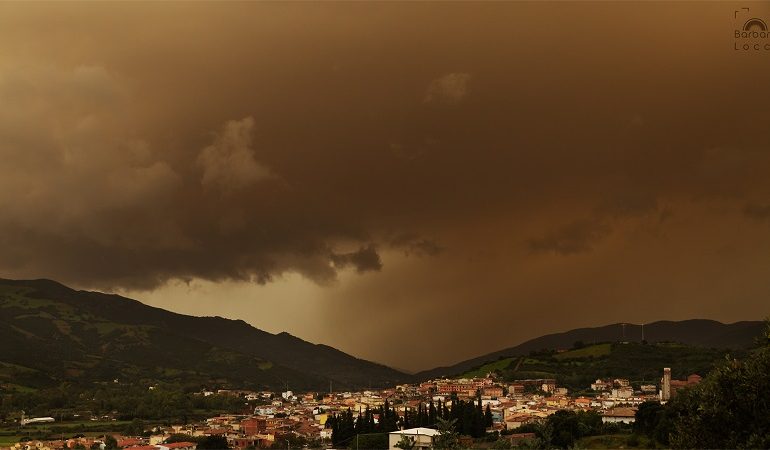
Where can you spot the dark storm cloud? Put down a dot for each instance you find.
(142, 143)
(576, 237)
(757, 212)
(412, 243)
(364, 259)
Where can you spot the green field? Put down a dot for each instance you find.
(592, 351)
(9, 440)
(579, 367)
(11, 434)
(487, 368)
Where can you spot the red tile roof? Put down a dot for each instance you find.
(180, 445)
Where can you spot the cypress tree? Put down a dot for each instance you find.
(431, 413)
(420, 416)
(469, 427)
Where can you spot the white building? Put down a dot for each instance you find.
(619, 415)
(34, 420)
(624, 392)
(423, 437)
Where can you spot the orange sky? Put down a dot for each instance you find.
(413, 183)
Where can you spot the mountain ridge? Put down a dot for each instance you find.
(77, 313)
(697, 332)
(105, 335)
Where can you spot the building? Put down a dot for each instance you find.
(669, 387)
(253, 425)
(679, 384)
(623, 392)
(621, 382)
(548, 386)
(448, 388)
(516, 420)
(583, 402)
(178, 446)
(34, 420)
(619, 415)
(423, 437)
(493, 391)
(665, 386)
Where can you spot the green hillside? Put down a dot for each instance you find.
(50, 334)
(693, 332)
(579, 367)
(494, 366)
(592, 351)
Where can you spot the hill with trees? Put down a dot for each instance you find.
(641, 363)
(692, 333)
(51, 334)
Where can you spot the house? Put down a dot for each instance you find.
(517, 420)
(674, 385)
(619, 415)
(423, 437)
(493, 392)
(583, 402)
(548, 386)
(622, 382)
(178, 446)
(623, 392)
(156, 439)
(130, 442)
(253, 425)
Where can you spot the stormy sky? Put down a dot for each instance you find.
(413, 183)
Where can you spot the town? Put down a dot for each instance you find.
(310, 419)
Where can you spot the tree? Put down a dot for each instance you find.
(431, 413)
(479, 429)
(110, 443)
(178, 437)
(135, 428)
(447, 436)
(502, 444)
(648, 417)
(406, 443)
(488, 417)
(729, 408)
(213, 443)
(563, 428)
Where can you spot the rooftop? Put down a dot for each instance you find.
(416, 431)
